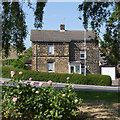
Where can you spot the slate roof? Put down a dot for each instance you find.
(59, 36)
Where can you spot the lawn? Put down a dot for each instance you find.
(99, 95)
(99, 105)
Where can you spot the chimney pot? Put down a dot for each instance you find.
(62, 27)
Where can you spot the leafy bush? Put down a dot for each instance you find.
(8, 62)
(18, 63)
(90, 79)
(117, 74)
(25, 101)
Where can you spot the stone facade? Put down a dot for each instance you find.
(92, 55)
(64, 52)
(60, 57)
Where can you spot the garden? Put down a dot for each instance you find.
(26, 101)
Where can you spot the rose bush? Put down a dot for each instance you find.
(27, 102)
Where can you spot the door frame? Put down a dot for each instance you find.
(74, 64)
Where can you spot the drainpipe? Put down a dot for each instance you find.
(85, 53)
(36, 54)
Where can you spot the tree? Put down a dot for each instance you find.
(18, 63)
(28, 53)
(97, 14)
(14, 28)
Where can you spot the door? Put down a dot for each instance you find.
(72, 69)
(108, 71)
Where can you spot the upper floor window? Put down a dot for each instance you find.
(82, 54)
(50, 49)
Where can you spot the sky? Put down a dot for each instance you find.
(55, 13)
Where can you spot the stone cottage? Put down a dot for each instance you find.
(63, 51)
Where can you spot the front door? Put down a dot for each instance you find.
(72, 69)
(75, 68)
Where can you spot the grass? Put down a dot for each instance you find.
(99, 95)
(94, 102)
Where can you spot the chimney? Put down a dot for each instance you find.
(62, 27)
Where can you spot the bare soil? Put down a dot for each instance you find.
(99, 110)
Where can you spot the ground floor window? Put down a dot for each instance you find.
(76, 67)
(50, 67)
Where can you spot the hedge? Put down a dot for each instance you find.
(90, 79)
(8, 62)
(117, 74)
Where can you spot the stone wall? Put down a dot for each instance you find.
(61, 64)
(63, 53)
(60, 57)
(92, 55)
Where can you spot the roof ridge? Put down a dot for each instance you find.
(65, 30)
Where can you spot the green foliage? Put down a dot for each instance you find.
(14, 29)
(110, 47)
(39, 14)
(99, 14)
(18, 63)
(117, 74)
(28, 53)
(43, 103)
(23, 58)
(93, 96)
(8, 62)
(90, 79)
(27, 56)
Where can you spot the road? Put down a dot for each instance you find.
(114, 88)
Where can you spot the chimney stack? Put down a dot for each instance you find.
(62, 27)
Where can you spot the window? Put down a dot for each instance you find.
(50, 49)
(50, 66)
(77, 69)
(74, 68)
(82, 54)
(82, 68)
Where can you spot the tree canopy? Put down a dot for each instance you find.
(98, 14)
(14, 28)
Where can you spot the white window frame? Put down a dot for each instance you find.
(48, 46)
(74, 65)
(53, 67)
(83, 52)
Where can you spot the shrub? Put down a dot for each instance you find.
(8, 62)
(18, 63)
(90, 79)
(25, 101)
(117, 74)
